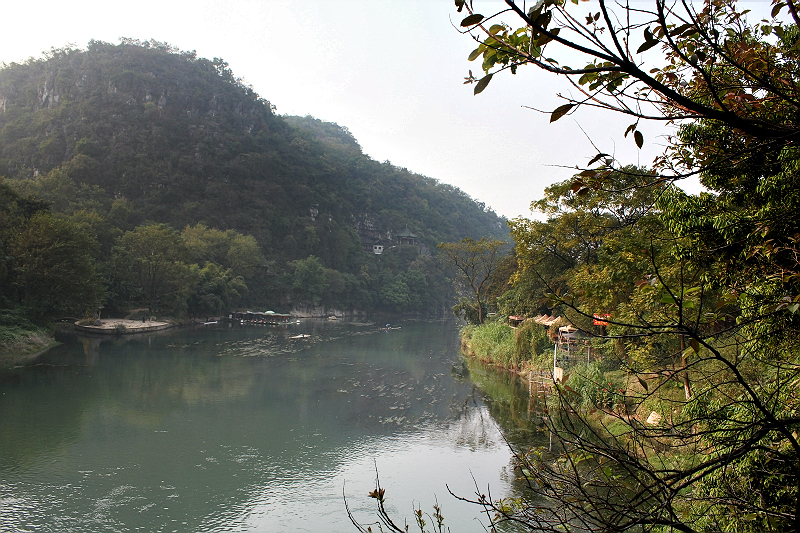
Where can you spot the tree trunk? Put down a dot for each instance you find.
(687, 389)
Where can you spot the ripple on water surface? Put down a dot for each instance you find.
(244, 431)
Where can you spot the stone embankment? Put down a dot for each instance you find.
(118, 326)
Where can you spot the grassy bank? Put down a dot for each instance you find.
(496, 343)
(602, 392)
(21, 340)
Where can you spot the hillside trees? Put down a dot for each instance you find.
(474, 263)
(200, 270)
(697, 286)
(120, 136)
(47, 262)
(53, 265)
(152, 263)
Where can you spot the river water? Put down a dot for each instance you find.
(247, 429)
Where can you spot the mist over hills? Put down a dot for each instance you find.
(140, 133)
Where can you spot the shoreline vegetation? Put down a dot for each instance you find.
(679, 412)
(519, 349)
(21, 340)
(603, 391)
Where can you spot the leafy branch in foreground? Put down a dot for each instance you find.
(702, 291)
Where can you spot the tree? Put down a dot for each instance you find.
(217, 290)
(152, 261)
(52, 268)
(229, 248)
(717, 66)
(720, 295)
(474, 262)
(728, 85)
(308, 279)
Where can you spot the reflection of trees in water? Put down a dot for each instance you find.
(476, 429)
(40, 413)
(518, 413)
(519, 410)
(91, 348)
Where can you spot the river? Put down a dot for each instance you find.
(246, 429)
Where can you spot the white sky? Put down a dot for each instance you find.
(390, 71)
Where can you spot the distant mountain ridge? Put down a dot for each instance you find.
(183, 141)
(140, 132)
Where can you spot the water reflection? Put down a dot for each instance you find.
(249, 430)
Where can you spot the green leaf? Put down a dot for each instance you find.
(560, 111)
(475, 53)
(586, 78)
(667, 298)
(481, 85)
(496, 28)
(471, 20)
(695, 345)
(460, 5)
(647, 46)
(643, 383)
(639, 138)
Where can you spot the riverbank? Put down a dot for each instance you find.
(606, 395)
(20, 345)
(521, 349)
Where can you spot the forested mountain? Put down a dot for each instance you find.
(118, 138)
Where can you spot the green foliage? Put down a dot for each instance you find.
(21, 338)
(231, 249)
(466, 310)
(216, 291)
(474, 263)
(396, 294)
(139, 133)
(14, 325)
(53, 268)
(308, 282)
(702, 292)
(493, 342)
(151, 264)
(596, 389)
(530, 340)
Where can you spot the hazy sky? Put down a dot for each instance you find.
(390, 71)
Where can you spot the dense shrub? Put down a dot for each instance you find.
(595, 389)
(14, 324)
(531, 340)
(493, 342)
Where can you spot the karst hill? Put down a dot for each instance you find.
(140, 132)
